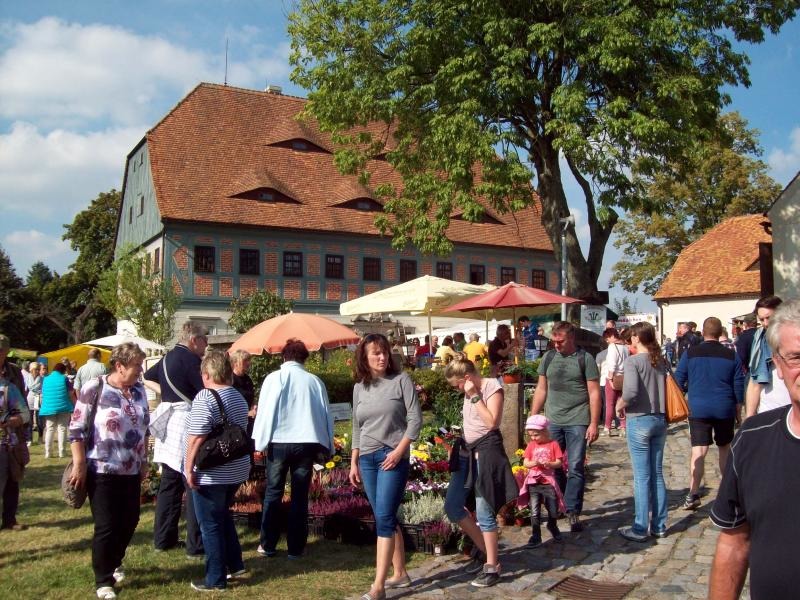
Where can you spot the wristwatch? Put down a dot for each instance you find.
(476, 398)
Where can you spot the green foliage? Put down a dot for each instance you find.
(525, 369)
(724, 179)
(433, 383)
(92, 234)
(472, 100)
(336, 372)
(249, 312)
(624, 307)
(13, 298)
(130, 291)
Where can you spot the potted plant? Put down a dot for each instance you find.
(516, 372)
(436, 535)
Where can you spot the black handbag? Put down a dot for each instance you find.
(225, 442)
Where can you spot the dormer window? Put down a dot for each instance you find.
(299, 145)
(362, 204)
(265, 194)
(487, 218)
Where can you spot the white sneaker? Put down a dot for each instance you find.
(106, 593)
(119, 574)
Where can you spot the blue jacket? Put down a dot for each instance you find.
(55, 395)
(714, 378)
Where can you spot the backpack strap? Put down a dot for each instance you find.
(548, 358)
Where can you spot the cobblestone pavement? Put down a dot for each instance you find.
(673, 567)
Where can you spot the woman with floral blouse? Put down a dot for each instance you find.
(109, 456)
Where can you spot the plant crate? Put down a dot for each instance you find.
(248, 519)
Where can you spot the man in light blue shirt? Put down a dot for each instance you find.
(294, 428)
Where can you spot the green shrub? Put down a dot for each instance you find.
(339, 386)
(433, 383)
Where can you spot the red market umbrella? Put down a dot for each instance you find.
(313, 330)
(510, 297)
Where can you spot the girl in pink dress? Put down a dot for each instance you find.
(542, 456)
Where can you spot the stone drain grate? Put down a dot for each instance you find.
(587, 589)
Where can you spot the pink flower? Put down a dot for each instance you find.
(112, 425)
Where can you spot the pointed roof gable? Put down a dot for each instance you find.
(220, 142)
(723, 262)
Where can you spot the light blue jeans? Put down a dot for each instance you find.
(457, 497)
(647, 435)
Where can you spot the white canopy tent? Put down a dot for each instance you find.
(119, 338)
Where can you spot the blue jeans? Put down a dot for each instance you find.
(647, 435)
(297, 460)
(572, 440)
(457, 497)
(384, 489)
(212, 506)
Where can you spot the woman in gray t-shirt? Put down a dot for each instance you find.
(386, 419)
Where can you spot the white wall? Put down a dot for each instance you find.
(678, 311)
(785, 217)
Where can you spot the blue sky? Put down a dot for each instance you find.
(83, 81)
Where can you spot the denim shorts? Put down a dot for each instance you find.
(457, 497)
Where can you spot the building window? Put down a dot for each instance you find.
(204, 259)
(372, 269)
(141, 204)
(130, 215)
(157, 260)
(408, 270)
(444, 270)
(539, 279)
(292, 264)
(249, 261)
(477, 274)
(507, 275)
(334, 266)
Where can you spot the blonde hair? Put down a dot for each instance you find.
(459, 367)
(217, 365)
(125, 353)
(239, 356)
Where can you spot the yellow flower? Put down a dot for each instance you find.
(516, 469)
(330, 464)
(337, 459)
(520, 452)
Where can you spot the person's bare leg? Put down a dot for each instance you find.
(399, 558)
(383, 558)
(697, 468)
(490, 539)
(471, 528)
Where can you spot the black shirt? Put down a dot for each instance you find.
(184, 373)
(244, 385)
(760, 487)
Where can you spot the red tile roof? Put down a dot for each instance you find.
(221, 141)
(723, 262)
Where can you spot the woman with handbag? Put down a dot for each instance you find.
(612, 373)
(213, 488)
(108, 437)
(386, 420)
(643, 404)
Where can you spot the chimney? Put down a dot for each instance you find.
(273, 89)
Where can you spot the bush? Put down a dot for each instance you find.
(433, 383)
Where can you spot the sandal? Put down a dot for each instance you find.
(370, 595)
(403, 582)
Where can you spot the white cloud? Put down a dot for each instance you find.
(784, 164)
(27, 247)
(56, 174)
(71, 75)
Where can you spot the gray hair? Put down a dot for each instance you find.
(192, 329)
(473, 337)
(125, 353)
(788, 313)
(239, 356)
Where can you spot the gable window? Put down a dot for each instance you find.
(249, 261)
(141, 204)
(477, 274)
(204, 259)
(292, 264)
(408, 270)
(334, 266)
(539, 279)
(372, 269)
(444, 270)
(507, 275)
(130, 215)
(157, 260)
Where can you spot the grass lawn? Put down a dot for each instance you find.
(52, 558)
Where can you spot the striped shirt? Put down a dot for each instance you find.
(202, 418)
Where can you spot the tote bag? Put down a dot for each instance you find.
(677, 408)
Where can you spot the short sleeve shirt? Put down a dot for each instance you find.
(474, 427)
(567, 400)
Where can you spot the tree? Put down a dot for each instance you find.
(724, 179)
(14, 321)
(624, 306)
(131, 292)
(260, 306)
(479, 97)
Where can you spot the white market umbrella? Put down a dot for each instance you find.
(120, 338)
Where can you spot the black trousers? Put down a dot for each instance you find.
(10, 502)
(115, 510)
(541, 493)
(169, 503)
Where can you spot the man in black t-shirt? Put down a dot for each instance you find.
(756, 503)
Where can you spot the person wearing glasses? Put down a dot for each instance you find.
(765, 390)
(386, 419)
(755, 507)
(714, 378)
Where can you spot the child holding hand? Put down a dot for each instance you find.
(542, 456)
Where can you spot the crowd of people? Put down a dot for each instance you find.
(105, 416)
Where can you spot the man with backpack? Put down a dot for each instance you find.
(569, 391)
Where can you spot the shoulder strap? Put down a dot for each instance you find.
(180, 394)
(546, 360)
(218, 398)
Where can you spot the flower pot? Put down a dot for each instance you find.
(511, 378)
(438, 550)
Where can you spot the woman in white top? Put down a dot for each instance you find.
(615, 356)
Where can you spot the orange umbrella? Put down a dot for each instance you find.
(313, 330)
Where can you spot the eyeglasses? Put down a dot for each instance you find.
(792, 361)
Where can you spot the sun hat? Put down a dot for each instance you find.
(537, 422)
